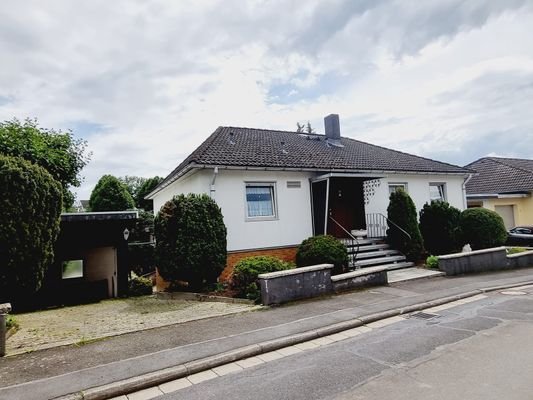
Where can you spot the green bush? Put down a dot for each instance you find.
(516, 250)
(402, 212)
(110, 194)
(30, 207)
(482, 228)
(245, 272)
(439, 225)
(432, 262)
(139, 286)
(322, 249)
(190, 241)
(11, 322)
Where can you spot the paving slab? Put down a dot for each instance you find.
(411, 274)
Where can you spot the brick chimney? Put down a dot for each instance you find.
(332, 127)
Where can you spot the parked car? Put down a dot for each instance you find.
(520, 236)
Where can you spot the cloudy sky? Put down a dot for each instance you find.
(145, 82)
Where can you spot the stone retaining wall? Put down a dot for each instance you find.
(484, 260)
(372, 276)
(299, 283)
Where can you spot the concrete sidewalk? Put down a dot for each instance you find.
(189, 346)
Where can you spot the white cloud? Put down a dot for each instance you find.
(146, 82)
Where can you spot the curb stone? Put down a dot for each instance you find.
(155, 378)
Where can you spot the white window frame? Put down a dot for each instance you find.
(80, 261)
(270, 184)
(438, 185)
(397, 185)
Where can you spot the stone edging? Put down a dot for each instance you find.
(190, 296)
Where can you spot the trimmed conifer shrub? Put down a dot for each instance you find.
(439, 225)
(402, 212)
(482, 228)
(322, 249)
(30, 207)
(190, 240)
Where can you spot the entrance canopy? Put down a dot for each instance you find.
(338, 203)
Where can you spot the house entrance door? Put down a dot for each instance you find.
(346, 205)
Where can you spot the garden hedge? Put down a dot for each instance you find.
(30, 208)
(482, 228)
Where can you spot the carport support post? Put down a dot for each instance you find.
(4, 309)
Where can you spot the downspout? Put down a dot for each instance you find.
(212, 189)
(465, 203)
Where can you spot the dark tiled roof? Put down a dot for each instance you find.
(230, 146)
(500, 175)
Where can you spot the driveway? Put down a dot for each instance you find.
(86, 323)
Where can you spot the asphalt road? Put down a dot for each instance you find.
(478, 350)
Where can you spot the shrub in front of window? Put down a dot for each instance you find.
(482, 228)
(439, 225)
(245, 272)
(29, 224)
(323, 249)
(139, 286)
(402, 212)
(190, 241)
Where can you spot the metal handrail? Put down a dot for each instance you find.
(354, 239)
(396, 225)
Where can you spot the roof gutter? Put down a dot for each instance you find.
(360, 172)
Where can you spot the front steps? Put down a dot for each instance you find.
(374, 252)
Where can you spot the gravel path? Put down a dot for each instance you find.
(85, 323)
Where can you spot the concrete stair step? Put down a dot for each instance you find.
(371, 247)
(377, 261)
(362, 242)
(374, 254)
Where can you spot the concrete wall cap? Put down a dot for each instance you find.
(5, 308)
(357, 273)
(472, 253)
(295, 271)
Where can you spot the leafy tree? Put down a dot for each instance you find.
(132, 183)
(30, 207)
(439, 225)
(110, 194)
(402, 212)
(147, 186)
(482, 228)
(190, 240)
(309, 128)
(58, 152)
(300, 127)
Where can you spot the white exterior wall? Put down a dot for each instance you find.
(292, 224)
(198, 182)
(294, 216)
(418, 189)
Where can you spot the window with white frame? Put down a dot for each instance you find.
(437, 192)
(260, 200)
(394, 186)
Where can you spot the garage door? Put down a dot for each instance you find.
(507, 213)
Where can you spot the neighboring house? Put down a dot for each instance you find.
(504, 185)
(277, 188)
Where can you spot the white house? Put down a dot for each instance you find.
(277, 188)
